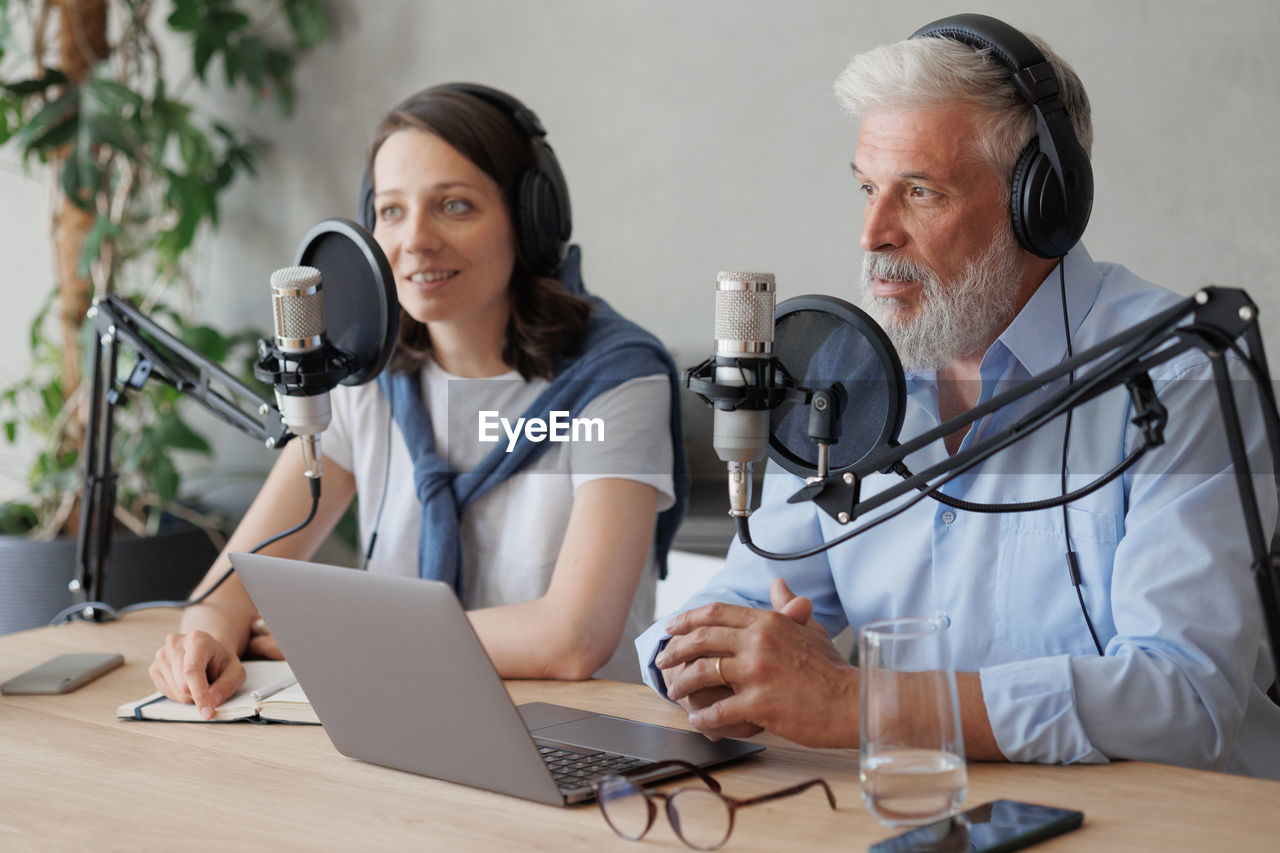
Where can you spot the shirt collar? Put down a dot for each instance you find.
(1034, 337)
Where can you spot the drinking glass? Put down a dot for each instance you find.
(912, 760)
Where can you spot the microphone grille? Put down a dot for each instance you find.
(744, 307)
(763, 280)
(297, 304)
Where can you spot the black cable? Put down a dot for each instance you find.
(1045, 503)
(744, 535)
(105, 611)
(1073, 563)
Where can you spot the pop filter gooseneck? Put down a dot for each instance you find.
(825, 342)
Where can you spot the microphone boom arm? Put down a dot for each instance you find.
(163, 356)
(1126, 364)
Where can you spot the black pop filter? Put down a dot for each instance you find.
(361, 312)
(822, 341)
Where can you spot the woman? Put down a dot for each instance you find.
(551, 545)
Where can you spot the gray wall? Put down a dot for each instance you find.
(700, 136)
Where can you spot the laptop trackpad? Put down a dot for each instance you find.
(642, 740)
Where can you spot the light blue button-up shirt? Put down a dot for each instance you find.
(1162, 552)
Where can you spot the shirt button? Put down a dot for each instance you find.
(948, 517)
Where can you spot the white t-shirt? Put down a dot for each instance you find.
(510, 537)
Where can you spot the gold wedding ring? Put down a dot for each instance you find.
(720, 672)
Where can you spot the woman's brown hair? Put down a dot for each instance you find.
(546, 323)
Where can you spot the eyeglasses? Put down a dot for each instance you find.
(701, 817)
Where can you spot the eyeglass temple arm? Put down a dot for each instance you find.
(787, 792)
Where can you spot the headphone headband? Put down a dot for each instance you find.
(526, 118)
(1009, 44)
(1051, 190)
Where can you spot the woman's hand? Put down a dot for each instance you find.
(196, 668)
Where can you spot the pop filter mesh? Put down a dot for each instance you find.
(822, 341)
(361, 311)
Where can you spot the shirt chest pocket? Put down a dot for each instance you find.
(1037, 611)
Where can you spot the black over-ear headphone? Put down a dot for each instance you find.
(540, 208)
(1051, 191)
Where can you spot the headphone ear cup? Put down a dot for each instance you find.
(536, 250)
(1036, 205)
(543, 217)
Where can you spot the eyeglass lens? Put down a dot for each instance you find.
(625, 807)
(700, 817)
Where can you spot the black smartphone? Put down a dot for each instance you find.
(61, 674)
(989, 828)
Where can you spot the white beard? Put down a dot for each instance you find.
(953, 320)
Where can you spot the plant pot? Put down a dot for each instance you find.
(34, 575)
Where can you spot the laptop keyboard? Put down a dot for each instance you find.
(573, 770)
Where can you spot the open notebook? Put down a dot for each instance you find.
(279, 699)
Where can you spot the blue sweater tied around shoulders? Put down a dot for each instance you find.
(615, 351)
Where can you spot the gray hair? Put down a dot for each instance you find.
(928, 72)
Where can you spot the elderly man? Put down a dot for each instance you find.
(1126, 626)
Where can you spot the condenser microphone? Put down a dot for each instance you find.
(297, 309)
(743, 356)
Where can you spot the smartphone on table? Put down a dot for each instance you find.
(62, 674)
(995, 827)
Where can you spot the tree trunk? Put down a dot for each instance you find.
(81, 41)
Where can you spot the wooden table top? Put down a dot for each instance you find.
(72, 776)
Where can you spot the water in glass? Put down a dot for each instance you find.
(909, 786)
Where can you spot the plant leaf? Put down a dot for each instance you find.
(166, 117)
(7, 107)
(208, 341)
(202, 52)
(105, 108)
(196, 150)
(17, 519)
(36, 86)
(79, 180)
(280, 65)
(163, 477)
(309, 22)
(173, 432)
(185, 16)
(103, 230)
(249, 58)
(51, 395)
(53, 125)
(190, 201)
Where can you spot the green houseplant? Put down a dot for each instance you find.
(137, 169)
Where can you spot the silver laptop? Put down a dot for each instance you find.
(399, 678)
